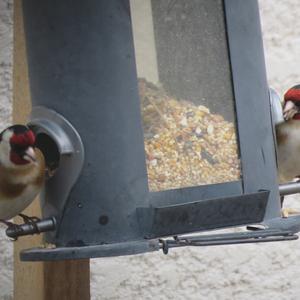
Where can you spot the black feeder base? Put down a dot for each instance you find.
(64, 253)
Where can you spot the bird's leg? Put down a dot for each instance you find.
(29, 220)
(284, 211)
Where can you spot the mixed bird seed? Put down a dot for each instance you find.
(185, 144)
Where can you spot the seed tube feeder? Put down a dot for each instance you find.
(155, 119)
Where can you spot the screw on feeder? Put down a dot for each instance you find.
(103, 220)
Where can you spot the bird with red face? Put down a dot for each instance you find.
(22, 169)
(288, 142)
(288, 137)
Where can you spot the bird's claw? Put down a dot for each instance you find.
(29, 220)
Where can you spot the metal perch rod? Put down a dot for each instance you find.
(31, 228)
(289, 188)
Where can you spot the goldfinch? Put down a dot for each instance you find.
(22, 172)
(288, 141)
(288, 137)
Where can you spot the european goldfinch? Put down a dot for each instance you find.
(288, 141)
(288, 137)
(22, 172)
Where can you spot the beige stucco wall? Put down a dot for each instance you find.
(261, 271)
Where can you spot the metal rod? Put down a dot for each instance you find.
(289, 188)
(230, 236)
(231, 242)
(31, 228)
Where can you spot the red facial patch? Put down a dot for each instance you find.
(292, 95)
(24, 139)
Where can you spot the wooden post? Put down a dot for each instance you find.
(62, 280)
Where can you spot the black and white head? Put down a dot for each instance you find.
(17, 147)
(291, 108)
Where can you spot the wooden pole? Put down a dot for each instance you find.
(63, 280)
(28, 277)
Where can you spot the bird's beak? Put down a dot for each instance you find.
(289, 110)
(29, 155)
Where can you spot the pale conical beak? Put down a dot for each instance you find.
(29, 155)
(289, 110)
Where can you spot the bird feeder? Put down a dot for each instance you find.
(154, 119)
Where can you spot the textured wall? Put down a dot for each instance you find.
(261, 271)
